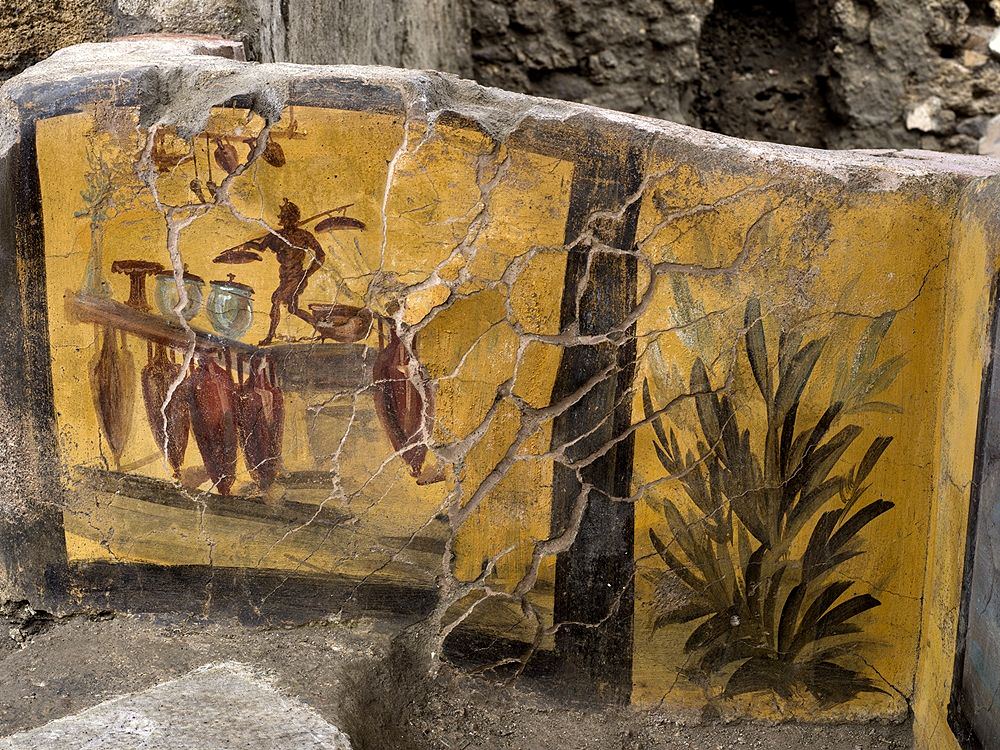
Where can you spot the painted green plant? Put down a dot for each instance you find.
(766, 520)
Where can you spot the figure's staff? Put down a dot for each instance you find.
(233, 254)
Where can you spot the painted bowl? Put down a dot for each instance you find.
(343, 323)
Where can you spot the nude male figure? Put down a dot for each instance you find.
(291, 245)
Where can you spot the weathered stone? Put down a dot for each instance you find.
(930, 116)
(973, 59)
(414, 33)
(655, 414)
(989, 141)
(837, 74)
(216, 707)
(994, 44)
(974, 127)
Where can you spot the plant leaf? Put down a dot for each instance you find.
(882, 407)
(676, 566)
(758, 674)
(687, 613)
(649, 411)
(829, 624)
(710, 630)
(831, 683)
(788, 344)
(871, 340)
(808, 505)
(858, 521)
(871, 457)
(789, 614)
(881, 377)
(705, 404)
(752, 580)
(770, 614)
(820, 462)
(756, 346)
(666, 460)
(823, 601)
(797, 375)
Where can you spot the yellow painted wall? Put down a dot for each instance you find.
(439, 228)
(823, 262)
(824, 257)
(972, 264)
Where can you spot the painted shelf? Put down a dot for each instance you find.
(250, 508)
(301, 365)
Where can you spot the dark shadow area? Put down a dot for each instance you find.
(761, 72)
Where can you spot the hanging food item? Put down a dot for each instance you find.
(401, 407)
(158, 376)
(274, 154)
(226, 156)
(333, 223)
(198, 189)
(260, 418)
(213, 421)
(165, 158)
(238, 255)
(112, 383)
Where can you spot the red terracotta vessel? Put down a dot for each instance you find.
(260, 420)
(112, 382)
(400, 406)
(213, 421)
(159, 374)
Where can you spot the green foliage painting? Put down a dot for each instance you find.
(764, 521)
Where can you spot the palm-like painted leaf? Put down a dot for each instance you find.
(880, 378)
(867, 464)
(647, 406)
(757, 348)
(705, 403)
(758, 674)
(794, 380)
(806, 442)
(713, 628)
(858, 521)
(831, 683)
(830, 623)
(675, 566)
(752, 579)
(764, 607)
(808, 625)
(817, 464)
(687, 613)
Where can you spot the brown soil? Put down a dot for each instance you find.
(363, 680)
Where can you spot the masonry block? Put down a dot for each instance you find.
(652, 415)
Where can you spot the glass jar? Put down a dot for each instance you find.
(167, 295)
(230, 307)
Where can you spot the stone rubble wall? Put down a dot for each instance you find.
(822, 73)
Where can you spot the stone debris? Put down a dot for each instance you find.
(930, 116)
(989, 143)
(994, 44)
